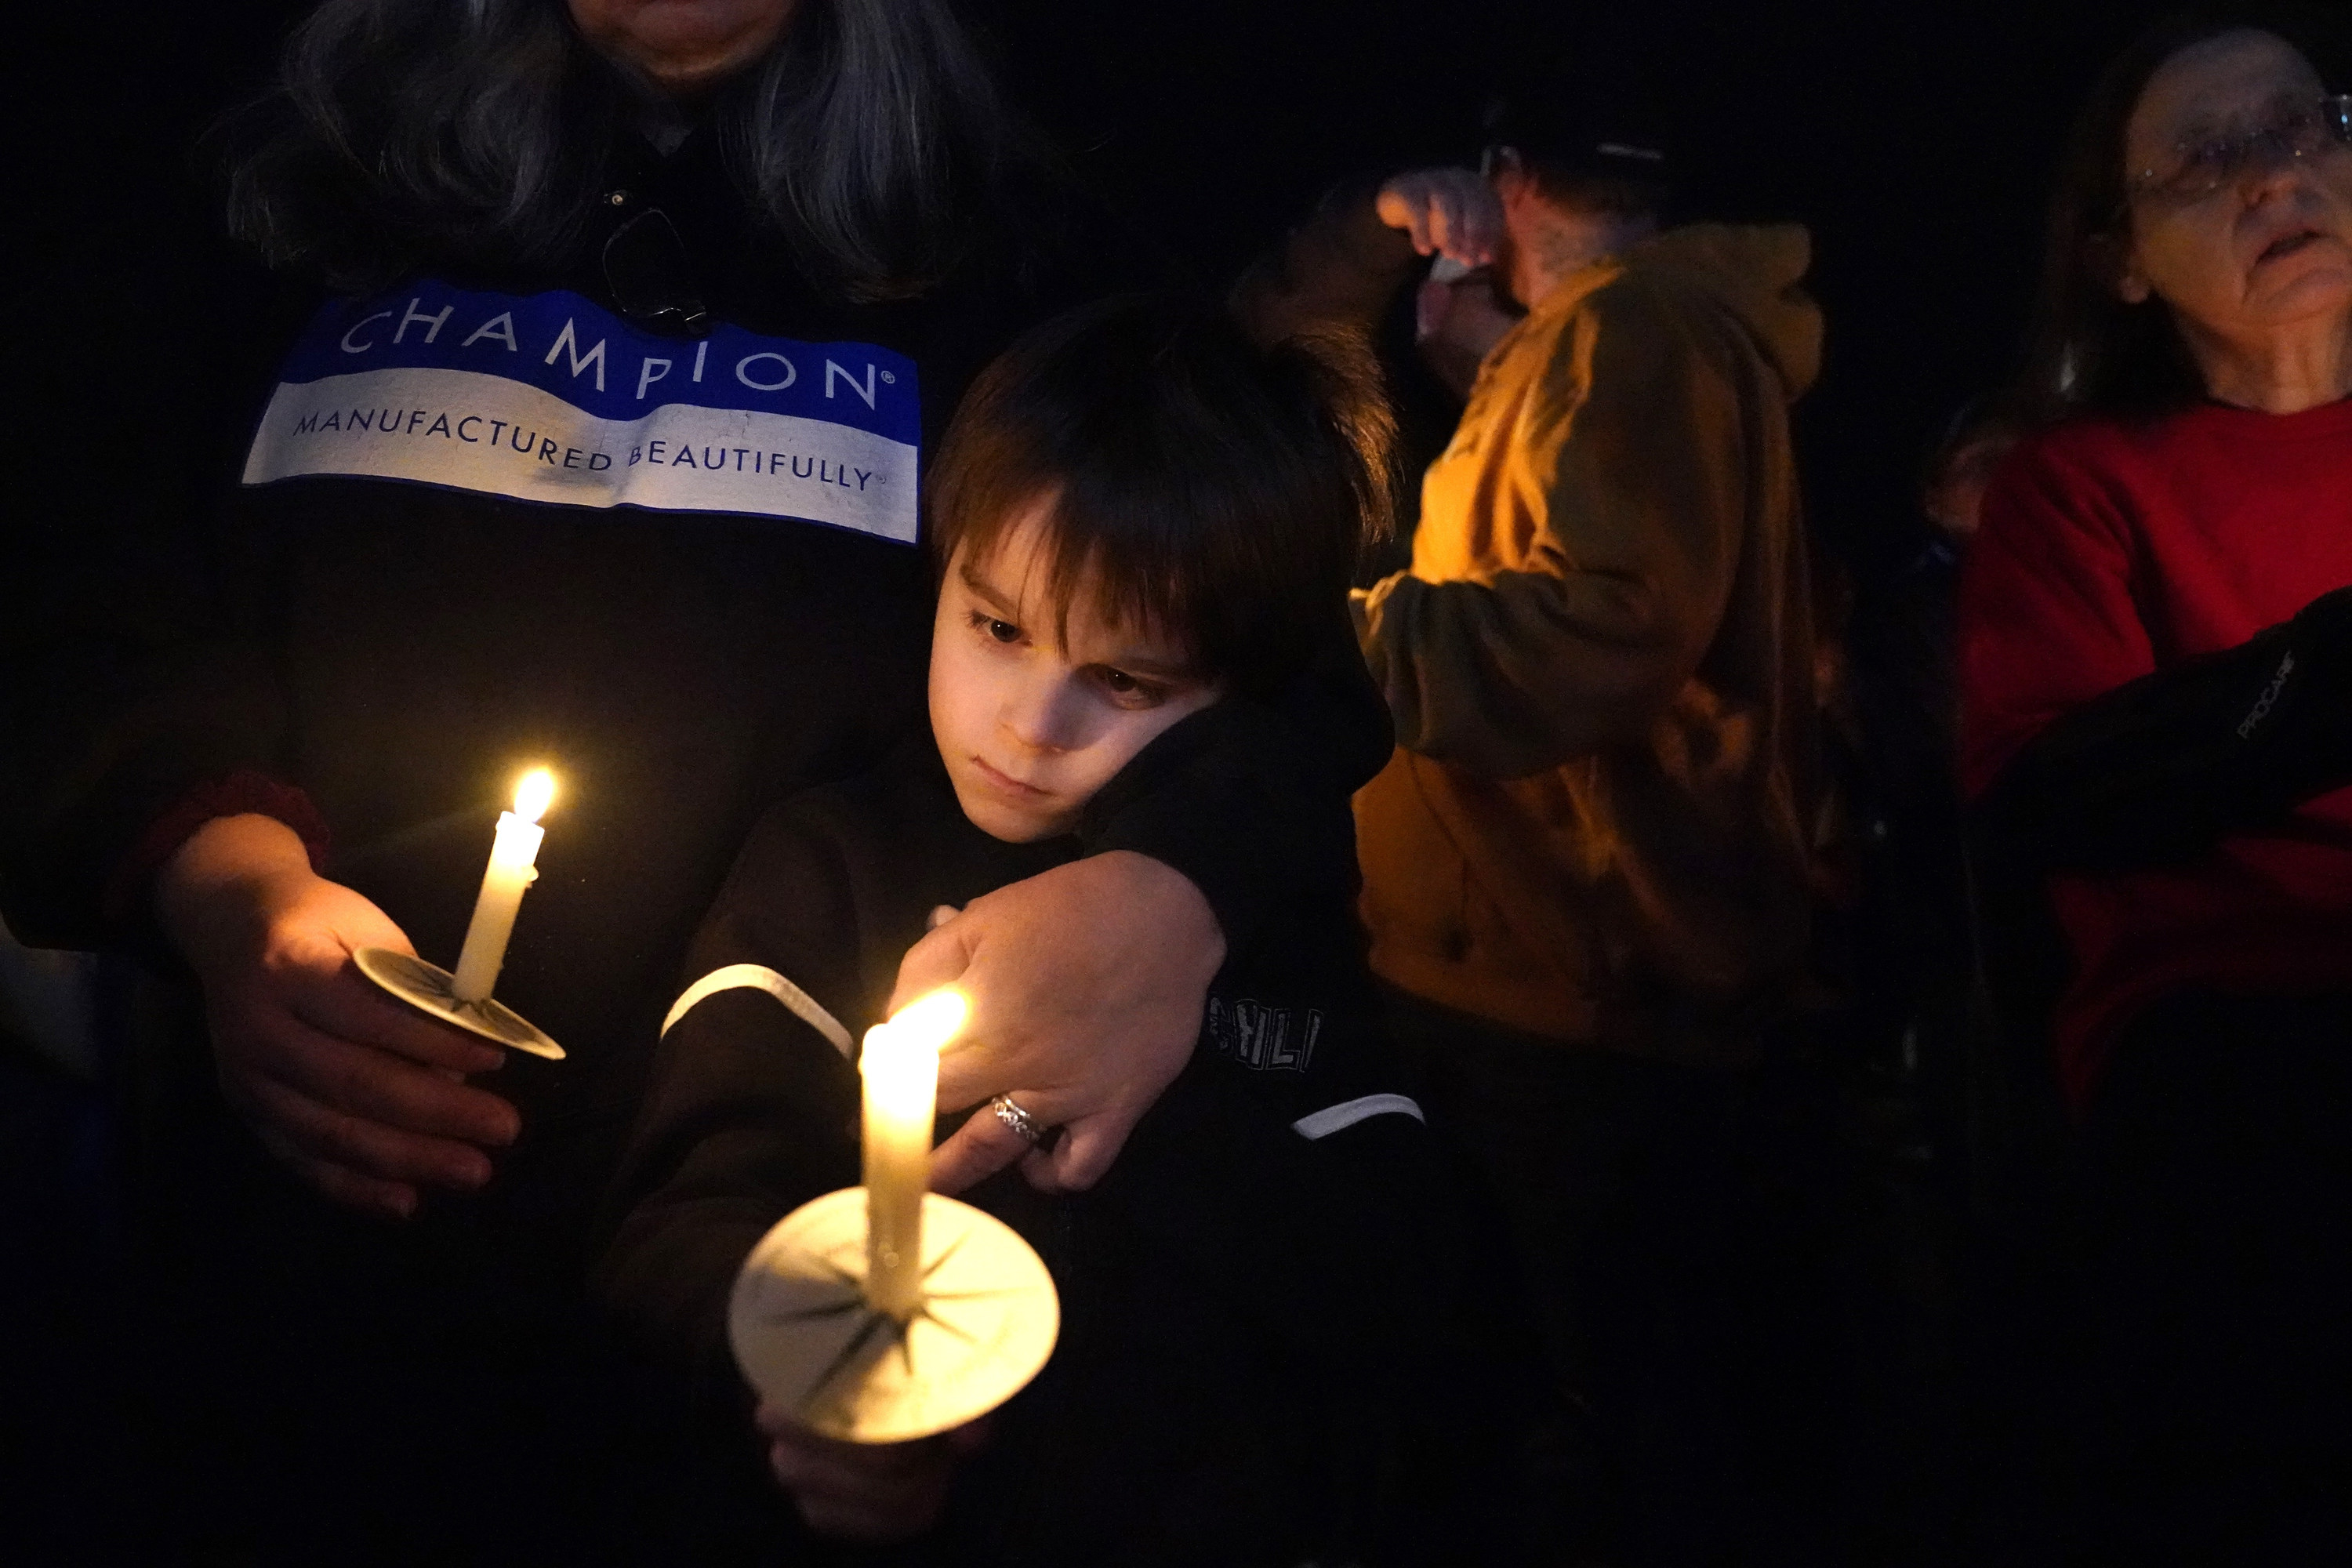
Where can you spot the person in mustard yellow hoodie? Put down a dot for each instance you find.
(1587, 866)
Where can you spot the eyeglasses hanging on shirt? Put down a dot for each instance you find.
(646, 268)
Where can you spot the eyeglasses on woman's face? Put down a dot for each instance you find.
(2305, 130)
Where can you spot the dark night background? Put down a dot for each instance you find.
(1915, 141)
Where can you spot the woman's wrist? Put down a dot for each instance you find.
(1191, 918)
(206, 889)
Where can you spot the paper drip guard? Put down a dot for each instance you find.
(807, 1339)
(432, 990)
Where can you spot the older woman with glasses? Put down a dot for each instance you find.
(2156, 645)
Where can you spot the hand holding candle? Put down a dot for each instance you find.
(464, 998)
(509, 872)
(900, 1066)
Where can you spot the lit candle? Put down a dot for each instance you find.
(510, 873)
(900, 1065)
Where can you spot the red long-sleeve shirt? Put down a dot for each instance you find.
(2111, 550)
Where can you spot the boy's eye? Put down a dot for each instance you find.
(1002, 631)
(1130, 691)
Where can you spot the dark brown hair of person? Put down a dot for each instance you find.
(1215, 491)
(870, 141)
(2089, 352)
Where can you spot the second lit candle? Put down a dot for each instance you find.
(900, 1068)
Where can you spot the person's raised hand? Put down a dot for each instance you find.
(1445, 212)
(871, 1492)
(1455, 322)
(363, 1097)
(1087, 984)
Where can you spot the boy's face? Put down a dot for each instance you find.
(1029, 730)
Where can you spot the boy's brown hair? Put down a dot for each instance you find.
(1215, 491)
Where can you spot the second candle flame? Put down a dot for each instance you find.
(533, 794)
(937, 1017)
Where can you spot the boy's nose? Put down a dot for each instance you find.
(1038, 717)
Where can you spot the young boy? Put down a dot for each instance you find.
(1135, 514)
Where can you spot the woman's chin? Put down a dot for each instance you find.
(2311, 281)
(2314, 303)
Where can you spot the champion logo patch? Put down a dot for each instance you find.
(551, 397)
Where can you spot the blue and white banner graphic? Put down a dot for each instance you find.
(548, 397)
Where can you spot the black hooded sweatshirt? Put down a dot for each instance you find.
(1267, 1305)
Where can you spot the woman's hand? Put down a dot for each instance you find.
(1447, 212)
(363, 1097)
(1087, 984)
(871, 1492)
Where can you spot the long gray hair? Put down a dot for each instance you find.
(403, 132)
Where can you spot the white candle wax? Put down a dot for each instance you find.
(510, 870)
(900, 1068)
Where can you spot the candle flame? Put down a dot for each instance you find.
(934, 1018)
(532, 795)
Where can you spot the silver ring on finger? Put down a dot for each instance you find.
(1030, 1131)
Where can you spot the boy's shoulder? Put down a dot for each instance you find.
(879, 848)
(837, 880)
(904, 792)
(900, 817)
